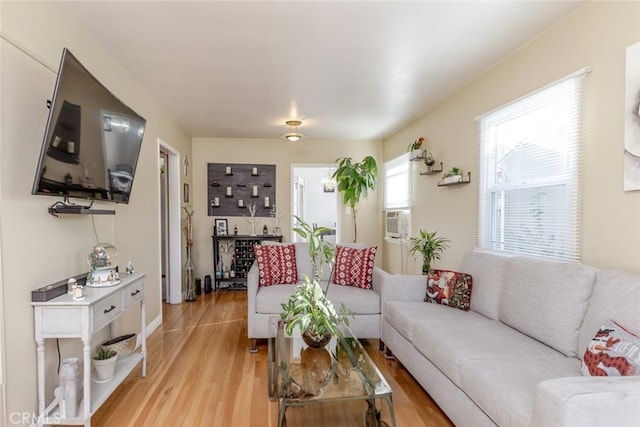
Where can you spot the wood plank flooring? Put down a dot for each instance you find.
(200, 373)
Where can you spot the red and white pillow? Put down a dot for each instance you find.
(276, 264)
(449, 288)
(354, 267)
(613, 351)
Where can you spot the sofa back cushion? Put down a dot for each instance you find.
(547, 300)
(488, 272)
(616, 296)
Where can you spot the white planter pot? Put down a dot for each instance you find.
(416, 154)
(452, 179)
(105, 369)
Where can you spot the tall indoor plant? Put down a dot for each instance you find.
(430, 246)
(308, 307)
(354, 181)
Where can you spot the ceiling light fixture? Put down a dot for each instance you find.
(293, 136)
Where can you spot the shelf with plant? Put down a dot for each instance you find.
(454, 176)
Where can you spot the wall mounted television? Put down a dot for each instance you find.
(92, 140)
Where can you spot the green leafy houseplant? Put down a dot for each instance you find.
(308, 307)
(430, 246)
(415, 144)
(453, 172)
(354, 181)
(104, 354)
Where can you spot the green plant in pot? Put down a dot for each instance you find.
(430, 246)
(308, 307)
(104, 363)
(354, 181)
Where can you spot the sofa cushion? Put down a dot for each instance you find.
(547, 300)
(613, 351)
(277, 264)
(488, 272)
(354, 267)
(449, 288)
(452, 337)
(270, 298)
(359, 301)
(505, 388)
(616, 295)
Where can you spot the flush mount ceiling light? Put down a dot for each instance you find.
(293, 136)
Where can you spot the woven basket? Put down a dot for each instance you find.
(124, 345)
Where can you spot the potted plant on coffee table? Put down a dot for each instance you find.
(308, 307)
(430, 246)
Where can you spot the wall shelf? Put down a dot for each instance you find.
(431, 170)
(463, 181)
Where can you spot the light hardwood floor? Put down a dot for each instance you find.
(200, 373)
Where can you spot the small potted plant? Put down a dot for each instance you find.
(308, 307)
(430, 246)
(452, 175)
(415, 148)
(104, 363)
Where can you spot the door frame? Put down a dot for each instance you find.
(174, 277)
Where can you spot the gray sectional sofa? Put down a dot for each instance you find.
(514, 359)
(264, 303)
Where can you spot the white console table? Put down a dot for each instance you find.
(62, 317)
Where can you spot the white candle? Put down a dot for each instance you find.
(216, 201)
(240, 203)
(254, 192)
(229, 191)
(254, 171)
(266, 202)
(227, 170)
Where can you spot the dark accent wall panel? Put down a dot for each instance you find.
(232, 186)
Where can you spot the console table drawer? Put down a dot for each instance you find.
(105, 311)
(133, 293)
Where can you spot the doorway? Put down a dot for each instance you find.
(314, 199)
(170, 253)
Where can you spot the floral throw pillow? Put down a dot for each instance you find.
(354, 267)
(613, 351)
(449, 288)
(276, 264)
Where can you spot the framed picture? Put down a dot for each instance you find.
(185, 195)
(222, 227)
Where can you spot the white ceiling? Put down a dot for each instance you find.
(354, 70)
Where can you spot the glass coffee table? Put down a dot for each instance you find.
(341, 371)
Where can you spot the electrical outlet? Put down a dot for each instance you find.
(347, 210)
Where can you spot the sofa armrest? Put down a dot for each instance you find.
(377, 278)
(253, 276)
(403, 287)
(587, 401)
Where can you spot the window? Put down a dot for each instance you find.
(397, 183)
(530, 164)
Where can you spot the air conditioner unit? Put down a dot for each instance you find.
(395, 221)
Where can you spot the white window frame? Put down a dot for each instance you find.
(395, 166)
(564, 223)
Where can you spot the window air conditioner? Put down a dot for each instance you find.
(395, 224)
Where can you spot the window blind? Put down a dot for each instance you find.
(530, 173)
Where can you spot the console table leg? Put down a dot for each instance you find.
(86, 349)
(40, 354)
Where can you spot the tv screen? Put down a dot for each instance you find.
(92, 139)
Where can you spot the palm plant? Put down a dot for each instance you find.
(430, 246)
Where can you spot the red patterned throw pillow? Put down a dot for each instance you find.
(613, 351)
(449, 288)
(276, 264)
(354, 267)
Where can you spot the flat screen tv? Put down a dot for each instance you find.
(92, 139)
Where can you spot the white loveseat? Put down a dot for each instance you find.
(264, 303)
(514, 359)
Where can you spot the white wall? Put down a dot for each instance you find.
(596, 36)
(282, 154)
(38, 249)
